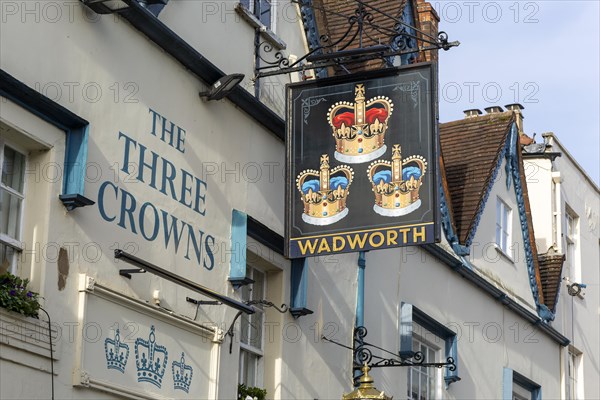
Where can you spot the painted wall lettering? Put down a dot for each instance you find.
(144, 218)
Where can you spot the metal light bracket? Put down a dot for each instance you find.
(265, 303)
(363, 353)
(145, 266)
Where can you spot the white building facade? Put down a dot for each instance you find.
(566, 217)
(109, 155)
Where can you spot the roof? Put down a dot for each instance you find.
(471, 149)
(551, 265)
(471, 152)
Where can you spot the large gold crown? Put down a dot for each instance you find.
(324, 196)
(396, 183)
(359, 128)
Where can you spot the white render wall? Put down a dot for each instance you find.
(104, 52)
(490, 337)
(577, 317)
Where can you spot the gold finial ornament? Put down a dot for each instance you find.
(365, 389)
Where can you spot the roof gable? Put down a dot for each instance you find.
(472, 150)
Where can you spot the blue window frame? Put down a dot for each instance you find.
(409, 315)
(518, 387)
(262, 10)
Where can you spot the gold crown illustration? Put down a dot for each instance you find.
(359, 128)
(396, 183)
(324, 196)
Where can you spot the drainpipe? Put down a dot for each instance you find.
(360, 300)
(556, 178)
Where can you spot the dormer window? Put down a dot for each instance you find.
(503, 225)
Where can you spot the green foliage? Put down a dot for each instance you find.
(254, 392)
(15, 296)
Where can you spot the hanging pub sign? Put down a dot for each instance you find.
(362, 162)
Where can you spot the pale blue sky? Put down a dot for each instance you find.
(542, 54)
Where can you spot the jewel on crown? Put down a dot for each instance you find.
(182, 375)
(359, 128)
(396, 183)
(324, 192)
(117, 353)
(150, 359)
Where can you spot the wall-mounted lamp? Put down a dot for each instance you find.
(113, 6)
(222, 87)
(574, 289)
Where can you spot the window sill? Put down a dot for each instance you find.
(503, 254)
(265, 32)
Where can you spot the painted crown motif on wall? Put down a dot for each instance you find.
(182, 374)
(117, 353)
(150, 359)
(324, 192)
(396, 183)
(359, 128)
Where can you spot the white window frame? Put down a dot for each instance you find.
(573, 391)
(503, 233)
(247, 348)
(572, 242)
(14, 242)
(249, 5)
(422, 337)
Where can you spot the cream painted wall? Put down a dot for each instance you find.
(577, 317)
(490, 337)
(223, 146)
(506, 271)
(539, 178)
(221, 34)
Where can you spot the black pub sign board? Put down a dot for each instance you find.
(362, 162)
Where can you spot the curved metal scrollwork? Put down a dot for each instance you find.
(282, 309)
(385, 42)
(364, 352)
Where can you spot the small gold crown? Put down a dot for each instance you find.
(359, 128)
(396, 183)
(324, 196)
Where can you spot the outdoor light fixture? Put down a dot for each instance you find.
(222, 87)
(144, 266)
(113, 6)
(365, 389)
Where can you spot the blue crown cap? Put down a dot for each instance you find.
(150, 359)
(117, 353)
(409, 172)
(182, 375)
(384, 175)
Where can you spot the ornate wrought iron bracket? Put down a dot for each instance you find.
(282, 309)
(364, 352)
(350, 49)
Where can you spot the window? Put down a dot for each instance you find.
(422, 382)
(421, 333)
(571, 230)
(503, 225)
(572, 379)
(520, 393)
(251, 342)
(517, 387)
(12, 198)
(263, 10)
